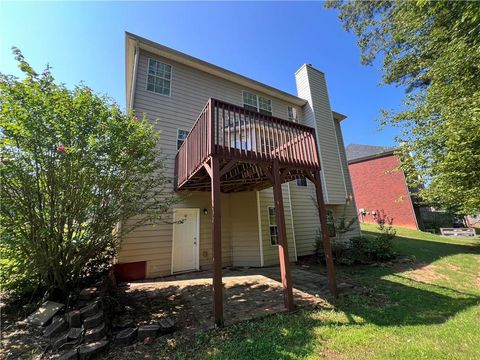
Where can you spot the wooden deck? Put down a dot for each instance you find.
(231, 149)
(245, 142)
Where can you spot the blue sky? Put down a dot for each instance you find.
(267, 41)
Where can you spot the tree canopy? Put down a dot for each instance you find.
(432, 49)
(73, 167)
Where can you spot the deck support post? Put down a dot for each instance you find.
(282, 238)
(217, 243)
(327, 246)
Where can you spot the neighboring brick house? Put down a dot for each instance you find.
(378, 185)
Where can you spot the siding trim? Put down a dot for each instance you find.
(339, 156)
(134, 80)
(260, 228)
(291, 218)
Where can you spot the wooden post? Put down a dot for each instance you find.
(327, 246)
(282, 238)
(217, 242)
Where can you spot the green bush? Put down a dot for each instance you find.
(73, 167)
(379, 248)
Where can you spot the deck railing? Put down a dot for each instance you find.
(233, 132)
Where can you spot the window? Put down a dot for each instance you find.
(250, 101)
(264, 106)
(257, 103)
(292, 114)
(331, 224)
(272, 221)
(302, 181)
(181, 136)
(159, 77)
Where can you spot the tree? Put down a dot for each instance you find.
(73, 167)
(432, 49)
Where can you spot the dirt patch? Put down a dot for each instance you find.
(425, 273)
(453, 267)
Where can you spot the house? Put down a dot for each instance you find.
(245, 160)
(379, 184)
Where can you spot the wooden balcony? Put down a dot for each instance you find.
(245, 142)
(232, 149)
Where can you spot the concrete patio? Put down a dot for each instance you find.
(249, 293)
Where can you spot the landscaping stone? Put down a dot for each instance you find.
(57, 326)
(69, 355)
(90, 310)
(93, 321)
(126, 337)
(92, 350)
(122, 323)
(148, 331)
(44, 313)
(95, 334)
(75, 333)
(87, 294)
(73, 319)
(167, 326)
(57, 343)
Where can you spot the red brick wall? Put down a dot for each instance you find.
(377, 186)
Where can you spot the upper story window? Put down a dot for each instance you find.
(181, 136)
(292, 114)
(250, 101)
(257, 103)
(264, 106)
(159, 77)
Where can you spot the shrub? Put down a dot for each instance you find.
(379, 248)
(73, 167)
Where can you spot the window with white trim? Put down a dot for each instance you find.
(292, 114)
(257, 103)
(272, 224)
(159, 77)
(181, 136)
(250, 101)
(264, 106)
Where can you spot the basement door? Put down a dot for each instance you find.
(185, 247)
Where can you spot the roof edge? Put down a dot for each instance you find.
(202, 65)
(371, 157)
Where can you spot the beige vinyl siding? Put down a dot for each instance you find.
(244, 229)
(190, 90)
(153, 243)
(311, 86)
(351, 209)
(305, 217)
(270, 252)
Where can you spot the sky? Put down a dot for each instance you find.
(266, 41)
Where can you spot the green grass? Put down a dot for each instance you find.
(432, 313)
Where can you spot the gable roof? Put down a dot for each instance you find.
(134, 42)
(360, 152)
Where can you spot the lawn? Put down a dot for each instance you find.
(426, 310)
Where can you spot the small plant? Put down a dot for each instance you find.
(384, 224)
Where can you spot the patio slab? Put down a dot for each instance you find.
(249, 293)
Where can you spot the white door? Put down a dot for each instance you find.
(185, 240)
